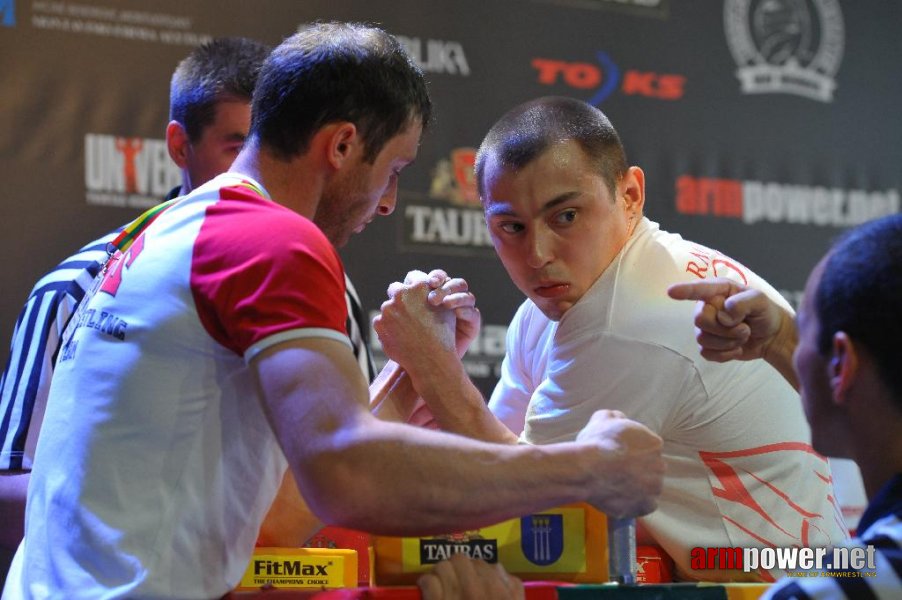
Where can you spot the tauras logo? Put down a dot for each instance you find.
(786, 46)
(447, 226)
(436, 550)
(456, 220)
(436, 56)
(127, 171)
(289, 567)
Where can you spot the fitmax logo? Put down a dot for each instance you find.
(8, 13)
(288, 567)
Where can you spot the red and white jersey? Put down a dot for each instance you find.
(156, 463)
(740, 467)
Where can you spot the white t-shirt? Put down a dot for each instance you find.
(740, 468)
(156, 463)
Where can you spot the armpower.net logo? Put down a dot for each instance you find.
(846, 561)
(767, 202)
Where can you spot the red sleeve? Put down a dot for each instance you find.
(259, 269)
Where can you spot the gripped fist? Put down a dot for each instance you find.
(632, 477)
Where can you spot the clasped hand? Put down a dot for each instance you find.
(427, 312)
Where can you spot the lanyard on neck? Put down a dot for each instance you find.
(130, 233)
(254, 188)
(127, 236)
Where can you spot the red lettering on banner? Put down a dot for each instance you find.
(653, 85)
(582, 75)
(579, 75)
(670, 87)
(643, 84)
(705, 196)
(113, 277)
(548, 69)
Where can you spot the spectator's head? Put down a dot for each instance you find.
(850, 327)
(209, 106)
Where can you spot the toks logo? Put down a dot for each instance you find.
(755, 201)
(127, 171)
(603, 79)
(789, 47)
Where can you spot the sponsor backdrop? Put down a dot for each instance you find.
(765, 127)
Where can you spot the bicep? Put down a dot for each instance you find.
(311, 388)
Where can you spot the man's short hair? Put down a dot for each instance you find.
(525, 132)
(221, 69)
(330, 72)
(860, 293)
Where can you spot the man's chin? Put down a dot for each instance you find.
(339, 239)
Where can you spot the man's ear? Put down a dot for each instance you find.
(177, 143)
(342, 140)
(632, 189)
(844, 367)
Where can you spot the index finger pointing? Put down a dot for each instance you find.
(701, 290)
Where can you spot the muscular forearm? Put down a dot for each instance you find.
(357, 471)
(458, 406)
(433, 482)
(392, 397)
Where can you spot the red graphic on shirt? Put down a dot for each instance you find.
(129, 147)
(112, 279)
(709, 263)
(747, 493)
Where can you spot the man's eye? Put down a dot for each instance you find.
(510, 227)
(566, 216)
